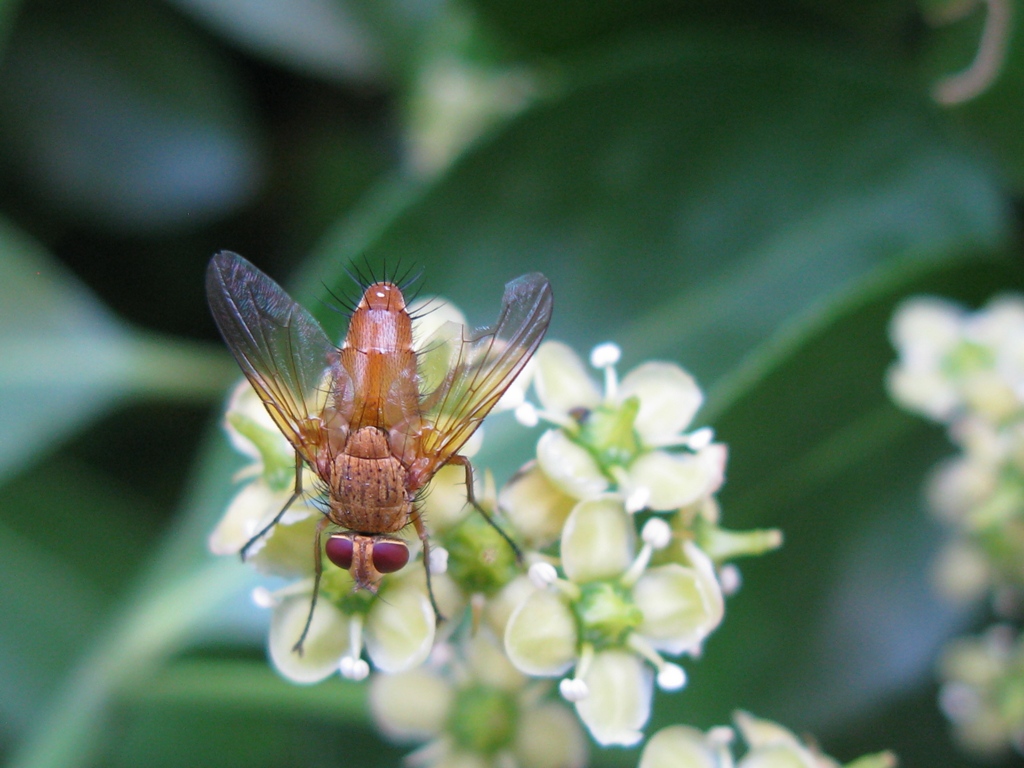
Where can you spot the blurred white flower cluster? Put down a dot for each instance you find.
(965, 370)
(769, 745)
(984, 690)
(623, 566)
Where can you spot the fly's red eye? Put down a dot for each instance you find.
(390, 556)
(339, 551)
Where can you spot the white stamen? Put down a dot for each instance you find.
(730, 578)
(637, 499)
(353, 668)
(264, 598)
(542, 575)
(526, 414)
(657, 533)
(438, 560)
(671, 677)
(573, 689)
(721, 736)
(605, 354)
(700, 438)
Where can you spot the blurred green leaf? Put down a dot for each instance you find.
(685, 197)
(8, 10)
(318, 36)
(57, 590)
(843, 618)
(337, 39)
(118, 114)
(557, 27)
(66, 359)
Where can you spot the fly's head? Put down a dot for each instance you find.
(367, 557)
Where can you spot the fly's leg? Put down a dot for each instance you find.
(318, 568)
(471, 498)
(277, 518)
(421, 531)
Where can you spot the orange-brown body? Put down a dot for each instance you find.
(357, 414)
(371, 490)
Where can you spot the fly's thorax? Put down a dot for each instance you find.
(380, 322)
(368, 488)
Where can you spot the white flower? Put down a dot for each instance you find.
(611, 617)
(680, 746)
(396, 627)
(475, 708)
(952, 362)
(617, 437)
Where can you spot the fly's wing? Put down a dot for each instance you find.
(281, 349)
(484, 365)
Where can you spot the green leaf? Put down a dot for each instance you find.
(338, 39)
(843, 618)
(118, 114)
(66, 359)
(57, 588)
(318, 36)
(685, 197)
(553, 28)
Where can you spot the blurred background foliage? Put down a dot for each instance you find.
(746, 188)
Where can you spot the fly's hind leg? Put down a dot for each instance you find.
(318, 569)
(421, 531)
(277, 518)
(471, 498)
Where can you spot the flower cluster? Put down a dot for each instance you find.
(983, 693)
(619, 564)
(619, 509)
(966, 371)
(768, 745)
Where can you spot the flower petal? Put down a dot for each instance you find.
(678, 746)
(675, 480)
(445, 504)
(681, 606)
(536, 506)
(500, 607)
(925, 328)
(400, 628)
(326, 641)
(429, 314)
(490, 665)
(771, 745)
(410, 706)
(598, 541)
(540, 637)
(561, 379)
(669, 399)
(255, 506)
(619, 703)
(569, 466)
(549, 736)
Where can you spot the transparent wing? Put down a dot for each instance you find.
(281, 349)
(484, 364)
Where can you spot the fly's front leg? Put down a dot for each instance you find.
(421, 531)
(318, 569)
(471, 498)
(277, 518)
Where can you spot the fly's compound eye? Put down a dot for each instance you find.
(339, 551)
(390, 555)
